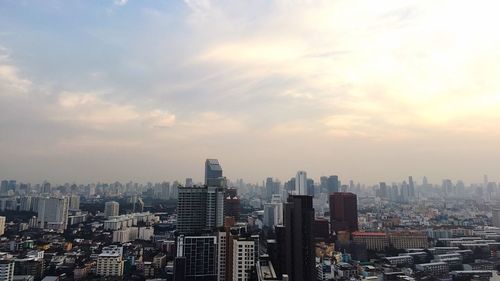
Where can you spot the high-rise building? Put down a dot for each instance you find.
(74, 202)
(297, 241)
(222, 255)
(301, 183)
(189, 182)
(411, 185)
(272, 187)
(6, 268)
(111, 209)
(200, 254)
(53, 213)
(213, 173)
(343, 211)
(110, 261)
(273, 212)
(310, 187)
(496, 217)
(46, 188)
(199, 208)
(383, 192)
(243, 258)
(333, 184)
(232, 203)
(2, 226)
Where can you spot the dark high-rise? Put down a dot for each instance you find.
(213, 172)
(199, 209)
(343, 211)
(298, 239)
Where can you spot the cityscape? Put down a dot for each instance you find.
(249, 140)
(218, 229)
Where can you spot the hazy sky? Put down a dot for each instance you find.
(146, 90)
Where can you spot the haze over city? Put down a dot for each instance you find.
(146, 90)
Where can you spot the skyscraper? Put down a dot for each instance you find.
(272, 187)
(333, 184)
(412, 187)
(343, 211)
(2, 225)
(213, 173)
(53, 213)
(298, 241)
(200, 254)
(301, 183)
(111, 209)
(199, 208)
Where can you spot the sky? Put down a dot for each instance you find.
(147, 90)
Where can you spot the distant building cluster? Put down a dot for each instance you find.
(219, 230)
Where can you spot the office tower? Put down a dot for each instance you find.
(333, 184)
(200, 253)
(411, 185)
(111, 209)
(273, 212)
(25, 204)
(74, 202)
(447, 187)
(4, 186)
(290, 185)
(310, 187)
(323, 183)
(2, 226)
(272, 187)
(165, 191)
(6, 267)
(231, 203)
(199, 208)
(243, 258)
(301, 183)
(405, 192)
(298, 242)
(189, 182)
(53, 213)
(383, 193)
(495, 220)
(343, 211)
(110, 261)
(46, 188)
(213, 173)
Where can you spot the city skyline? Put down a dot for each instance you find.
(142, 90)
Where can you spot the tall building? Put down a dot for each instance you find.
(189, 182)
(199, 208)
(273, 212)
(310, 187)
(496, 217)
(53, 213)
(343, 211)
(411, 185)
(297, 243)
(110, 261)
(111, 209)
(301, 183)
(2, 226)
(333, 184)
(200, 254)
(6, 268)
(243, 258)
(46, 188)
(232, 203)
(74, 202)
(383, 192)
(213, 173)
(272, 187)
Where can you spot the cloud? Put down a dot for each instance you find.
(120, 2)
(10, 81)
